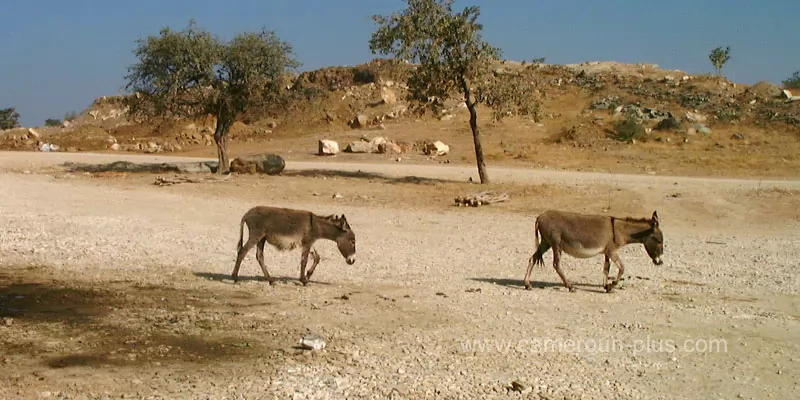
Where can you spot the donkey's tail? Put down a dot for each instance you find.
(241, 236)
(537, 257)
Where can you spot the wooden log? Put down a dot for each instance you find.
(176, 179)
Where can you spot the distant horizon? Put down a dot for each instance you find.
(79, 51)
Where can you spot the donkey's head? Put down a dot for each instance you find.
(346, 239)
(654, 240)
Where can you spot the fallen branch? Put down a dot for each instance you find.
(176, 179)
(482, 198)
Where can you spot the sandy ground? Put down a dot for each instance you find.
(111, 287)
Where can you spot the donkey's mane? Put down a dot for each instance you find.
(635, 220)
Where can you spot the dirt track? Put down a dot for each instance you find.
(114, 287)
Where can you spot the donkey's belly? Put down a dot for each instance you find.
(579, 251)
(284, 243)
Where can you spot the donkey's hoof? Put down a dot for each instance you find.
(271, 282)
(304, 281)
(608, 287)
(528, 286)
(572, 289)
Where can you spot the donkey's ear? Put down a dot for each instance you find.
(343, 222)
(654, 219)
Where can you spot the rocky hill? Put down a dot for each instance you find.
(580, 105)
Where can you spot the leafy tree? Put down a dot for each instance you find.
(52, 122)
(793, 82)
(191, 74)
(719, 57)
(9, 118)
(451, 54)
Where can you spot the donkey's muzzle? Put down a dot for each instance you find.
(658, 261)
(350, 260)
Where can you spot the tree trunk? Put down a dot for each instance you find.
(221, 138)
(476, 137)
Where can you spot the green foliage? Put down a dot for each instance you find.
(9, 118)
(539, 60)
(52, 122)
(793, 82)
(719, 57)
(629, 129)
(448, 46)
(190, 73)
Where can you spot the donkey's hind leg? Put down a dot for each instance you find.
(535, 259)
(260, 258)
(557, 266)
(251, 241)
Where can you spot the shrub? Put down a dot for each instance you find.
(628, 130)
(793, 82)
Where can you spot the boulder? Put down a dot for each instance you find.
(359, 121)
(436, 148)
(695, 117)
(328, 147)
(270, 164)
(388, 96)
(389, 148)
(377, 141)
(360, 147)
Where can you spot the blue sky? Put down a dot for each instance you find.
(58, 55)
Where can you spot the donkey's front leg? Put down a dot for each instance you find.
(303, 263)
(557, 266)
(620, 270)
(606, 269)
(316, 258)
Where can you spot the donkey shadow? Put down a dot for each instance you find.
(253, 278)
(520, 284)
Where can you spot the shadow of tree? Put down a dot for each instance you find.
(126, 166)
(90, 324)
(329, 173)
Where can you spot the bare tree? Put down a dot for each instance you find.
(190, 73)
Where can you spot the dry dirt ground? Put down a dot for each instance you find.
(111, 287)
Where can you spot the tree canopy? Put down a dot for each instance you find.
(9, 118)
(191, 73)
(719, 57)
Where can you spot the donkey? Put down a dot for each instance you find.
(585, 236)
(286, 229)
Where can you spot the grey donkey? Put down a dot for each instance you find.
(584, 236)
(286, 229)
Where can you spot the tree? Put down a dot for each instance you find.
(9, 118)
(190, 74)
(52, 122)
(793, 82)
(719, 57)
(451, 54)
